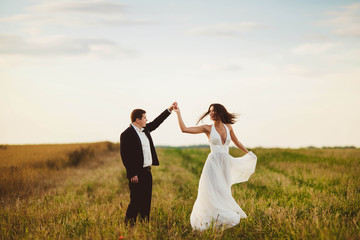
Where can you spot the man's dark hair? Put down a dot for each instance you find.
(136, 113)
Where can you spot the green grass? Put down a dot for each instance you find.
(294, 194)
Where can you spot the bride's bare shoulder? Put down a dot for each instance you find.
(229, 126)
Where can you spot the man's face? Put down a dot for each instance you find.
(142, 121)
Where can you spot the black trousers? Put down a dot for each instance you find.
(140, 198)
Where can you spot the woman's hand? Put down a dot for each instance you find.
(173, 106)
(176, 109)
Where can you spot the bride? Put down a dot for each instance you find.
(215, 205)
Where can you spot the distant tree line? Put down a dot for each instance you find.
(207, 146)
(188, 146)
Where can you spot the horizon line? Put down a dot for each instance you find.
(183, 146)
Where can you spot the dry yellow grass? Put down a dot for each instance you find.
(29, 155)
(28, 168)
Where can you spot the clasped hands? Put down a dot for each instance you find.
(173, 106)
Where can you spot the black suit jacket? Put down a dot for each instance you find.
(131, 150)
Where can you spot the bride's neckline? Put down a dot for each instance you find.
(222, 142)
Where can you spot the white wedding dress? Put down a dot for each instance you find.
(215, 204)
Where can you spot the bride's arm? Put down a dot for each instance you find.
(235, 140)
(192, 130)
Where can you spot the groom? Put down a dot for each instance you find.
(138, 154)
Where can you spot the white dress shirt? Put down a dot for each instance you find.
(145, 143)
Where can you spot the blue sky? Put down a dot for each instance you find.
(72, 71)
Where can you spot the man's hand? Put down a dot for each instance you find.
(134, 179)
(173, 106)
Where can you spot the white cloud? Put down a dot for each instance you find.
(295, 69)
(221, 67)
(313, 48)
(60, 13)
(59, 46)
(33, 38)
(95, 7)
(226, 29)
(345, 21)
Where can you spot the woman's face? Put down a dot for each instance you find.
(212, 113)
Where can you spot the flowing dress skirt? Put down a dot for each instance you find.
(215, 204)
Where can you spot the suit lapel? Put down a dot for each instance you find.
(136, 136)
(147, 133)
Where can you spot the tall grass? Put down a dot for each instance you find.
(294, 194)
(28, 168)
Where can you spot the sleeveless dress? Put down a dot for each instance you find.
(215, 205)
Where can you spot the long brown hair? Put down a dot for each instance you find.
(222, 113)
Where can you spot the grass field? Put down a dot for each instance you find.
(28, 168)
(294, 194)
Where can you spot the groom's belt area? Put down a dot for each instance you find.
(146, 169)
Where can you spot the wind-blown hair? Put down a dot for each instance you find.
(220, 113)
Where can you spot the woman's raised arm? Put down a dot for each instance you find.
(193, 130)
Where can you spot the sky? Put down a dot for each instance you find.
(72, 71)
